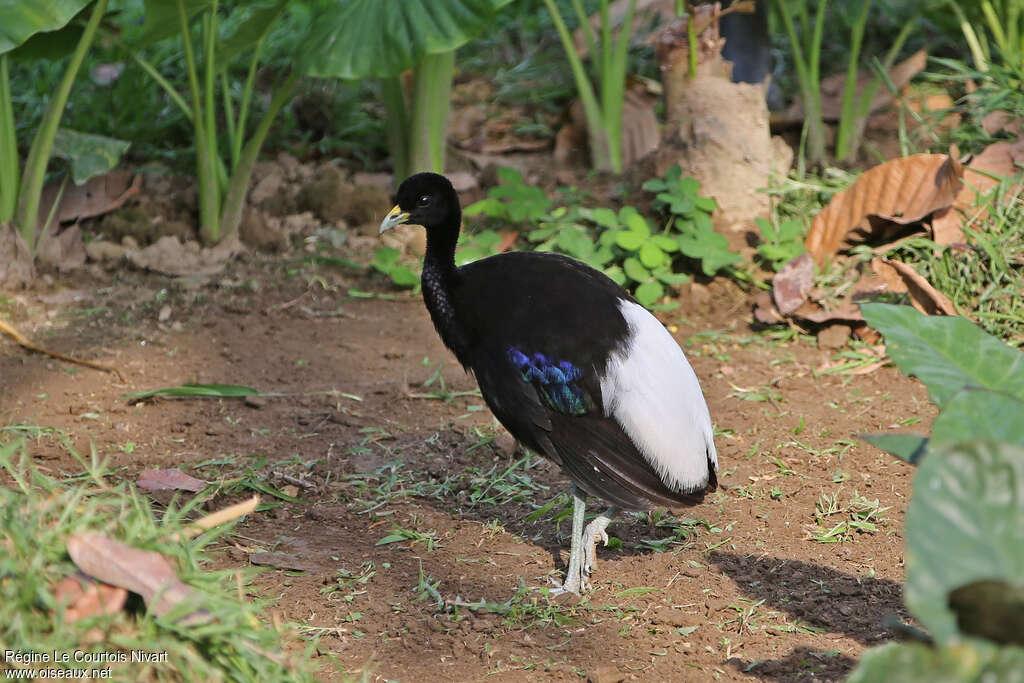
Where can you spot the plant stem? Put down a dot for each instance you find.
(599, 149)
(691, 39)
(209, 192)
(613, 89)
(243, 108)
(209, 98)
(238, 185)
(9, 153)
(397, 110)
(847, 116)
(808, 74)
(27, 216)
(234, 135)
(431, 97)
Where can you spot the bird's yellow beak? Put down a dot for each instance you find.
(395, 217)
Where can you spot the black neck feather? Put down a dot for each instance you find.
(439, 280)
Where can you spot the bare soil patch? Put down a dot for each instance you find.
(735, 589)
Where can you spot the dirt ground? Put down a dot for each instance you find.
(370, 450)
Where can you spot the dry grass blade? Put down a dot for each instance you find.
(223, 516)
(21, 339)
(902, 191)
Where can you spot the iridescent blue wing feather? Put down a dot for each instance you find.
(559, 383)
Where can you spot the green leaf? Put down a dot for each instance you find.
(706, 204)
(977, 414)
(609, 237)
(908, 447)
(629, 240)
(616, 275)
(665, 243)
(947, 353)
(161, 21)
(197, 391)
(19, 21)
(487, 239)
(386, 256)
(248, 33)
(635, 270)
(403, 276)
(670, 278)
(634, 221)
(603, 217)
(89, 155)
(971, 661)
(689, 187)
(965, 523)
(509, 176)
(650, 255)
(767, 230)
(380, 38)
(487, 206)
(649, 292)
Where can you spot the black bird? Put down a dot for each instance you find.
(571, 365)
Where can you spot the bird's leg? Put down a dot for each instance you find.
(595, 531)
(574, 577)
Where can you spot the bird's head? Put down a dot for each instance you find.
(425, 199)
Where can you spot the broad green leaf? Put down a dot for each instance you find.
(161, 21)
(634, 221)
(629, 240)
(689, 186)
(19, 21)
(609, 238)
(403, 276)
(767, 230)
(665, 243)
(971, 661)
(89, 155)
(604, 217)
(714, 261)
(509, 176)
(707, 204)
(249, 33)
(654, 185)
(386, 256)
(670, 278)
(635, 270)
(908, 447)
(650, 255)
(947, 353)
(649, 292)
(977, 414)
(965, 523)
(575, 241)
(487, 206)
(616, 275)
(197, 391)
(380, 38)
(488, 239)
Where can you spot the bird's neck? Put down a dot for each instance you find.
(439, 280)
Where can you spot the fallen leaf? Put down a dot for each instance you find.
(144, 572)
(793, 283)
(901, 277)
(1001, 159)
(175, 480)
(998, 121)
(97, 196)
(765, 310)
(902, 191)
(83, 597)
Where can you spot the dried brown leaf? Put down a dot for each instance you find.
(901, 190)
(174, 479)
(141, 571)
(901, 277)
(793, 283)
(84, 597)
(1001, 159)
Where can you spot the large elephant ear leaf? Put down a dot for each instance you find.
(19, 21)
(965, 525)
(381, 38)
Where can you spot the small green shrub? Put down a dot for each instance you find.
(780, 243)
(385, 260)
(512, 200)
(690, 215)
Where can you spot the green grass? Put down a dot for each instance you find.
(37, 515)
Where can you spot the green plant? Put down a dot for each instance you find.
(965, 554)
(690, 216)
(48, 28)
(474, 246)
(781, 242)
(385, 260)
(38, 514)
(609, 55)
(222, 184)
(382, 39)
(512, 200)
(1005, 22)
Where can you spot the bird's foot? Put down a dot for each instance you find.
(594, 532)
(577, 576)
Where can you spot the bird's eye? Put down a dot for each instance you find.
(424, 200)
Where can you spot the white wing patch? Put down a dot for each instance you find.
(650, 389)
